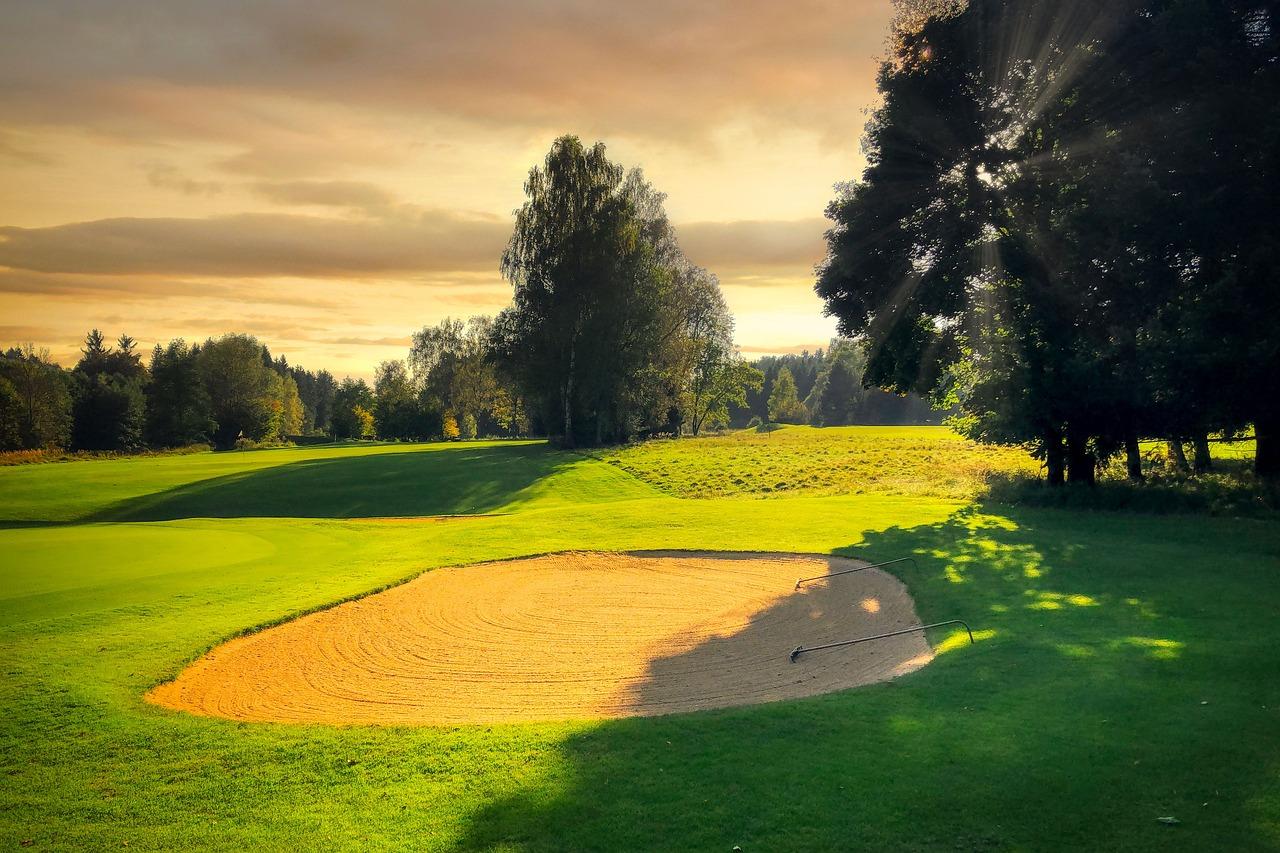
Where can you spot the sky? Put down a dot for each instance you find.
(332, 176)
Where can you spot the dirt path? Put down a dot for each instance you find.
(576, 635)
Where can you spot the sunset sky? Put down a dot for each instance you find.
(333, 176)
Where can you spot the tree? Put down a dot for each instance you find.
(784, 406)
(10, 416)
(1029, 246)
(178, 411)
(839, 396)
(397, 411)
(467, 427)
(363, 422)
(718, 378)
(353, 405)
(291, 411)
(568, 246)
(244, 393)
(315, 391)
(717, 386)
(108, 414)
(806, 368)
(596, 335)
(109, 409)
(44, 415)
(454, 367)
(449, 429)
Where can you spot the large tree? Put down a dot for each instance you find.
(1024, 241)
(44, 397)
(597, 336)
(177, 405)
(353, 406)
(398, 411)
(109, 412)
(244, 392)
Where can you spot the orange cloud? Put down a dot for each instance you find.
(259, 245)
(667, 67)
(351, 194)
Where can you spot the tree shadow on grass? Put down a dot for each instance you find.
(1074, 723)
(446, 481)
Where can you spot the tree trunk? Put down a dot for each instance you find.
(1133, 458)
(1179, 455)
(1053, 458)
(1202, 459)
(1266, 461)
(1080, 462)
(568, 396)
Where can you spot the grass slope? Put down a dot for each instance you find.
(924, 460)
(1125, 668)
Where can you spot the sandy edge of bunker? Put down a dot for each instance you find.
(565, 635)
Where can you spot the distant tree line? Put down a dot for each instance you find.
(219, 392)
(1068, 225)
(230, 391)
(825, 388)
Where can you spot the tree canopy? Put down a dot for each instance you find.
(612, 332)
(1066, 229)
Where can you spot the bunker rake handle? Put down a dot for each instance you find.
(799, 650)
(859, 569)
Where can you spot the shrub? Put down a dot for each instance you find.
(1237, 493)
(265, 444)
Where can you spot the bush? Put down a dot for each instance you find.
(56, 454)
(265, 444)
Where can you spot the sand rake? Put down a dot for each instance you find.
(801, 650)
(912, 560)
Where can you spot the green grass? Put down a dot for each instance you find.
(1126, 667)
(925, 460)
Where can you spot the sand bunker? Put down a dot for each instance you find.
(577, 635)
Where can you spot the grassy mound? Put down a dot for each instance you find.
(930, 461)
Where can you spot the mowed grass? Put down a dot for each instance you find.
(1126, 668)
(925, 460)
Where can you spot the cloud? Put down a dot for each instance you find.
(25, 333)
(168, 176)
(21, 153)
(408, 241)
(754, 244)
(349, 194)
(782, 349)
(114, 290)
(663, 69)
(262, 245)
(402, 341)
